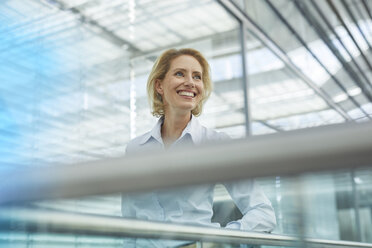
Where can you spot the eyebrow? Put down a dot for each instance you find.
(182, 69)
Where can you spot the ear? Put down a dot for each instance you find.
(159, 86)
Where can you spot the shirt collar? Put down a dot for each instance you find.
(193, 128)
(154, 133)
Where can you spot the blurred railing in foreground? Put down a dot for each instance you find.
(70, 223)
(310, 150)
(329, 148)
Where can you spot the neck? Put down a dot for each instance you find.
(173, 126)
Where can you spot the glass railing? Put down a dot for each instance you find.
(319, 183)
(42, 227)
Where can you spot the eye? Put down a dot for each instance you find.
(197, 77)
(179, 74)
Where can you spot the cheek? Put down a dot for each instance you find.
(201, 89)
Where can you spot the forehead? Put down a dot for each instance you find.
(186, 62)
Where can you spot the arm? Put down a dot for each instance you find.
(258, 214)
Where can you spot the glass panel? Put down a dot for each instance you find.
(314, 205)
(73, 89)
(362, 183)
(74, 79)
(74, 82)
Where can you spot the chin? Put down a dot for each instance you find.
(188, 107)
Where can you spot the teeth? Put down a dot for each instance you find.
(186, 93)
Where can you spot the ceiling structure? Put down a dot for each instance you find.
(74, 72)
(314, 40)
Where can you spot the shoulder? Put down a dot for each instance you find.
(210, 134)
(135, 144)
(201, 134)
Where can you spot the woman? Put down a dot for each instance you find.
(178, 86)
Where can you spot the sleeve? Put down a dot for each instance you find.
(258, 213)
(131, 148)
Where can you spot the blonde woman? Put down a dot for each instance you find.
(177, 87)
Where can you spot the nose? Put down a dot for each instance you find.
(189, 81)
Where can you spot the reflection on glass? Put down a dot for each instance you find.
(316, 205)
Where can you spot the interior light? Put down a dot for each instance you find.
(354, 91)
(358, 180)
(340, 98)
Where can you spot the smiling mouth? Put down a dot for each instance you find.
(186, 93)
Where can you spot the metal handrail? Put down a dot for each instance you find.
(289, 153)
(42, 221)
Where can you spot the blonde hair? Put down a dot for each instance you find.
(160, 69)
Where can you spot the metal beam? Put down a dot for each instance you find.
(303, 43)
(245, 86)
(366, 7)
(350, 13)
(273, 127)
(339, 17)
(360, 13)
(323, 35)
(280, 53)
(112, 37)
(328, 24)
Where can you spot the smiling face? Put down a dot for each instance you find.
(182, 87)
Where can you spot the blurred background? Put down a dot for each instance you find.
(73, 89)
